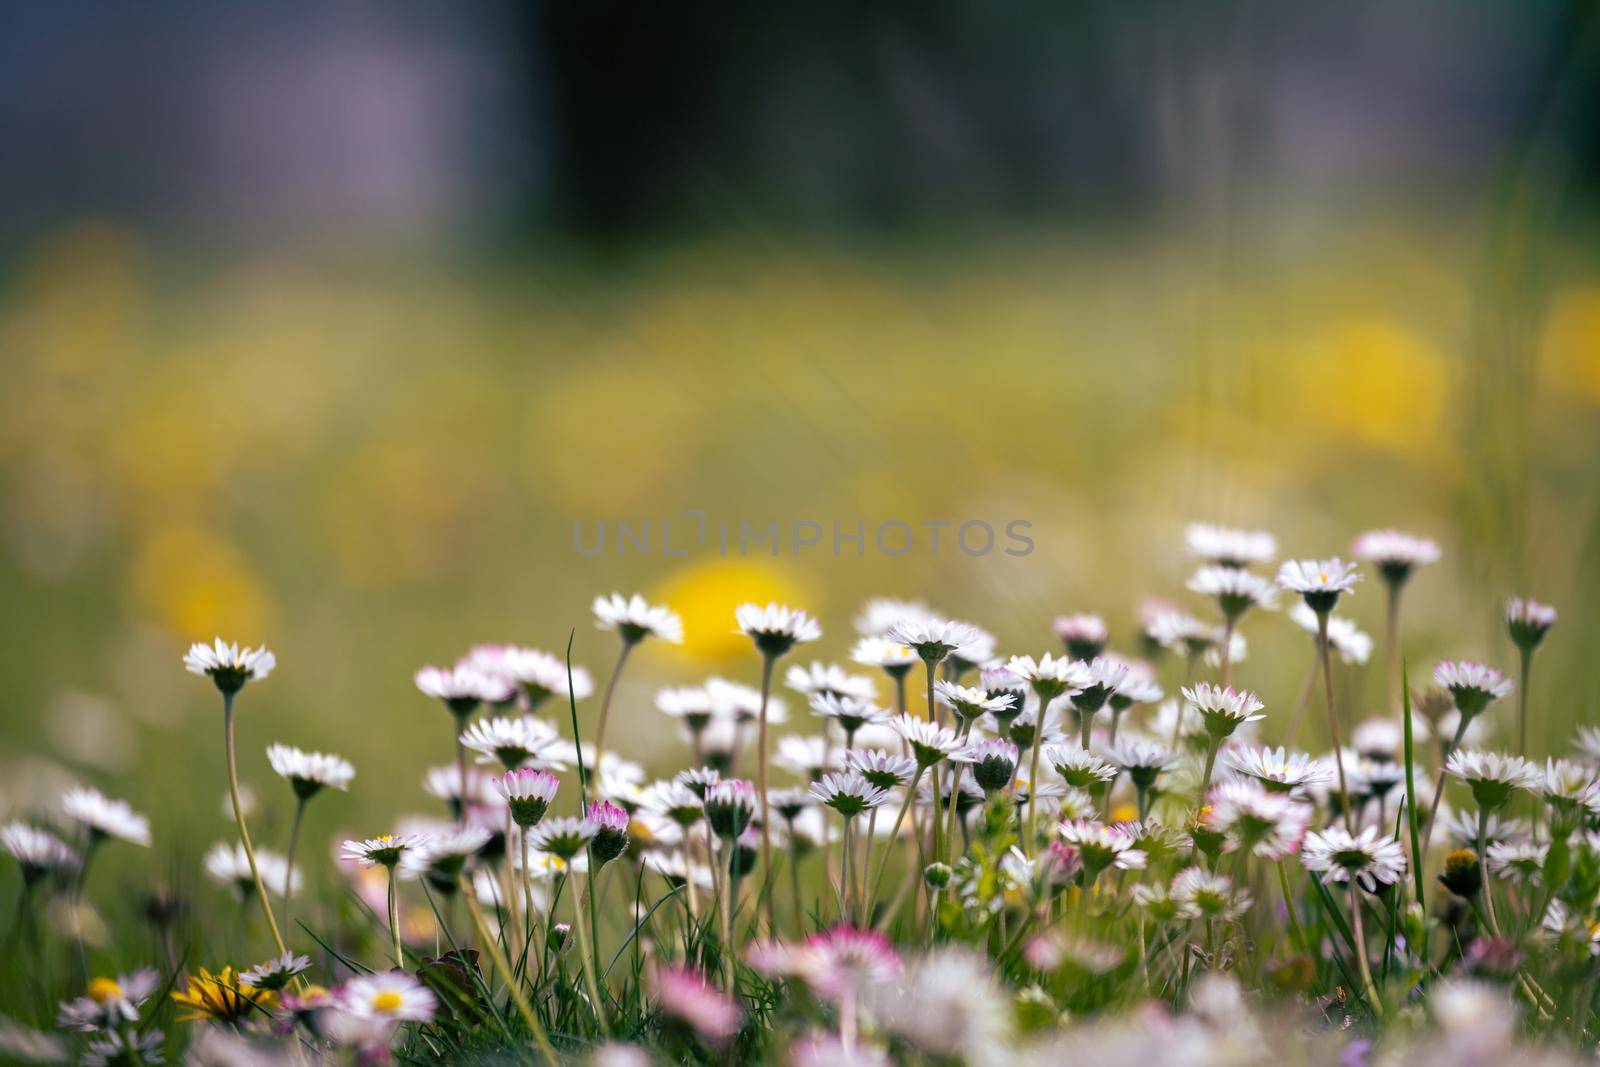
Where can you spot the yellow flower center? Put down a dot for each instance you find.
(102, 990)
(387, 1001)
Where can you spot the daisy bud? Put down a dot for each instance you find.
(1527, 621)
(560, 934)
(994, 764)
(1463, 874)
(937, 875)
(611, 840)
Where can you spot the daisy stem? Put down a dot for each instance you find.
(1211, 766)
(1483, 858)
(1033, 780)
(846, 889)
(728, 848)
(394, 920)
(1299, 713)
(933, 716)
(894, 835)
(587, 946)
(461, 771)
(238, 815)
(1289, 907)
(1227, 648)
(1391, 649)
(1522, 702)
(900, 693)
(955, 793)
(767, 662)
(503, 965)
(866, 868)
(1333, 722)
(288, 866)
(794, 887)
(1360, 947)
(1438, 786)
(605, 709)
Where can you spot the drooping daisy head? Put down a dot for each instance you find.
(1527, 621)
(384, 851)
(849, 793)
(850, 713)
(892, 657)
(1050, 676)
(1473, 686)
(228, 865)
(1235, 591)
(538, 675)
(1371, 858)
(1319, 581)
(276, 972)
(830, 680)
(442, 856)
(730, 804)
(776, 628)
(741, 703)
(935, 639)
(1518, 862)
(1395, 554)
(514, 742)
(1101, 846)
(1279, 770)
(1142, 760)
(1078, 767)
(994, 763)
(634, 619)
(1228, 546)
(880, 613)
(229, 666)
(308, 773)
(1571, 789)
(929, 742)
(1345, 638)
(462, 687)
(1082, 636)
(38, 852)
(392, 996)
(1222, 709)
(882, 769)
(1493, 776)
(103, 817)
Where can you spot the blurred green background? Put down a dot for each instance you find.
(323, 324)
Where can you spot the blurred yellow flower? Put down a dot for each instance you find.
(1570, 354)
(705, 593)
(220, 998)
(1374, 381)
(197, 583)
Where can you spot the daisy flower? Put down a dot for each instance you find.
(830, 680)
(1268, 825)
(1180, 632)
(1518, 862)
(892, 657)
(685, 997)
(123, 1046)
(275, 973)
(880, 768)
(849, 793)
(462, 687)
(1319, 581)
(1474, 686)
(1395, 554)
(634, 619)
(776, 628)
(1197, 893)
(229, 666)
(850, 713)
(1235, 591)
(1345, 637)
(384, 851)
(880, 613)
(841, 963)
(310, 772)
(1138, 686)
(1228, 546)
(109, 1003)
(1461, 828)
(37, 852)
(1369, 858)
(1493, 776)
(1223, 709)
(538, 676)
(528, 792)
(611, 831)
(998, 682)
(563, 837)
(994, 763)
(1080, 768)
(513, 742)
(742, 703)
(392, 996)
(1103, 677)
(1142, 760)
(222, 998)
(935, 639)
(730, 804)
(443, 855)
(970, 704)
(1083, 636)
(947, 1004)
(1101, 846)
(1527, 621)
(229, 866)
(929, 742)
(105, 818)
(690, 705)
(1050, 676)
(806, 757)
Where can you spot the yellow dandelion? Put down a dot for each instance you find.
(220, 998)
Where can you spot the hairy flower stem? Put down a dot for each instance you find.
(605, 711)
(1211, 766)
(461, 770)
(1438, 785)
(238, 815)
(794, 889)
(767, 662)
(394, 919)
(1028, 844)
(1526, 662)
(288, 866)
(1292, 738)
(894, 835)
(507, 975)
(728, 848)
(955, 794)
(1391, 650)
(1333, 719)
(1488, 885)
(866, 868)
(1295, 931)
(933, 716)
(1227, 649)
(1359, 932)
(588, 945)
